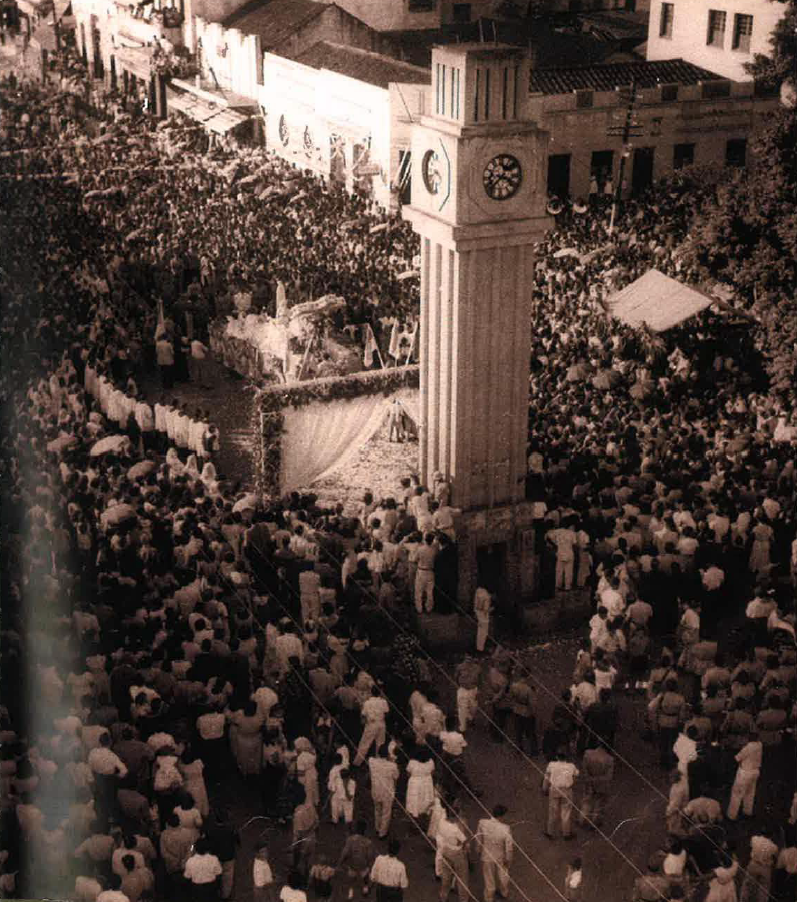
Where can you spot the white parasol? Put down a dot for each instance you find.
(118, 514)
(141, 469)
(109, 444)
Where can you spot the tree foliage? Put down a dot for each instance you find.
(746, 233)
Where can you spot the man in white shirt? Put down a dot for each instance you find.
(384, 774)
(202, 871)
(389, 875)
(564, 539)
(558, 783)
(374, 710)
(482, 607)
(199, 354)
(452, 844)
(685, 749)
(496, 846)
(744, 786)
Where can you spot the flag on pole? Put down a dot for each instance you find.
(161, 327)
(413, 339)
(370, 346)
(395, 341)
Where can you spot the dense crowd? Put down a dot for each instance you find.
(171, 627)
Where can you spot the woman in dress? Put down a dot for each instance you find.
(173, 460)
(245, 738)
(420, 787)
(192, 467)
(759, 553)
(306, 771)
(192, 769)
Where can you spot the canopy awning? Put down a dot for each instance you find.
(657, 301)
(218, 119)
(226, 120)
(135, 60)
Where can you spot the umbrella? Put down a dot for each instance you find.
(407, 274)
(109, 444)
(61, 443)
(118, 514)
(141, 469)
(249, 180)
(378, 228)
(566, 252)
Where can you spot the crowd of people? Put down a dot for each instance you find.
(171, 627)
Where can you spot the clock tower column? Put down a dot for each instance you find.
(478, 204)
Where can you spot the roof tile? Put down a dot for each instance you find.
(364, 65)
(646, 74)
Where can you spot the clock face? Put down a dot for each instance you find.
(502, 177)
(430, 169)
(284, 131)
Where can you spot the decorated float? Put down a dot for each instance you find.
(299, 343)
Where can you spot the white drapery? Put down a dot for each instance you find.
(321, 437)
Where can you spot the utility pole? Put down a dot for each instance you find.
(630, 129)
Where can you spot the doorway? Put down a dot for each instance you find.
(491, 567)
(642, 172)
(559, 175)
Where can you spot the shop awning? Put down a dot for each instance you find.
(657, 301)
(217, 119)
(135, 60)
(226, 120)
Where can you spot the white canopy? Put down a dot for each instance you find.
(658, 301)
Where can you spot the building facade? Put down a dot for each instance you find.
(683, 115)
(417, 15)
(347, 129)
(719, 35)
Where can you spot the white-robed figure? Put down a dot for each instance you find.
(482, 607)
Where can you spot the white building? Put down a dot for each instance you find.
(718, 35)
(344, 113)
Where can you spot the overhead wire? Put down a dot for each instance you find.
(582, 722)
(354, 745)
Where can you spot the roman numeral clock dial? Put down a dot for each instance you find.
(502, 177)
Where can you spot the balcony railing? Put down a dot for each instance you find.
(165, 23)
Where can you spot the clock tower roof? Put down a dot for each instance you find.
(479, 83)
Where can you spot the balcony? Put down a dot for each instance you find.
(157, 24)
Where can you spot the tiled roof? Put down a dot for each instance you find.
(646, 74)
(549, 46)
(373, 68)
(274, 20)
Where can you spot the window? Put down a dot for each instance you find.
(665, 23)
(583, 100)
(683, 155)
(736, 152)
(669, 93)
(716, 27)
(742, 32)
(461, 12)
(420, 6)
(715, 90)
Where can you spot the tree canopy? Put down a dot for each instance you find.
(746, 234)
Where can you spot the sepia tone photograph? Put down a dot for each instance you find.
(398, 450)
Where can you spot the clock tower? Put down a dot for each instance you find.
(478, 205)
